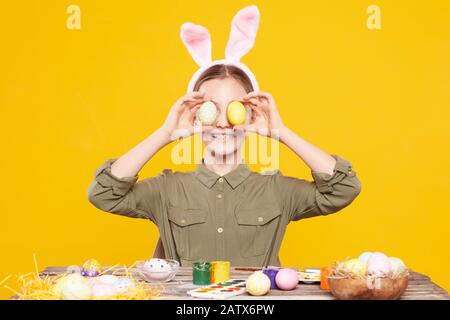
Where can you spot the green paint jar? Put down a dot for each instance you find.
(201, 273)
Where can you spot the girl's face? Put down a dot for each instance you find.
(222, 140)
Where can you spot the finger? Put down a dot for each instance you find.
(194, 109)
(259, 95)
(252, 101)
(195, 94)
(254, 94)
(257, 110)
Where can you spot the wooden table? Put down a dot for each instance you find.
(420, 287)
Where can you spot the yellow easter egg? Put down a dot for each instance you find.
(236, 113)
(355, 267)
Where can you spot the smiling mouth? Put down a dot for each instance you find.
(222, 135)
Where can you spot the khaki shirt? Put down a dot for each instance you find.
(240, 217)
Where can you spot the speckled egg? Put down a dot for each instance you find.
(207, 113)
(157, 269)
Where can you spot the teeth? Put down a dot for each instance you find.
(222, 136)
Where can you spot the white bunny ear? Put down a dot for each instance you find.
(243, 33)
(197, 40)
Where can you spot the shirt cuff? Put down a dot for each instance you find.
(120, 186)
(325, 181)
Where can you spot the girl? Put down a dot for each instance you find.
(223, 210)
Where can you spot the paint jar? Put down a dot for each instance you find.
(201, 273)
(271, 272)
(324, 273)
(220, 271)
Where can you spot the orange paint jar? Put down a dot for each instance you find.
(324, 272)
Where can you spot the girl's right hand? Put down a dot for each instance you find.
(181, 120)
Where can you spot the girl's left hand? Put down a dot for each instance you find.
(265, 118)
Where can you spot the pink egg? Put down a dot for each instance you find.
(286, 279)
(380, 269)
(377, 257)
(103, 291)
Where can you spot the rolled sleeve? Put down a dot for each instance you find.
(328, 193)
(125, 196)
(119, 186)
(325, 182)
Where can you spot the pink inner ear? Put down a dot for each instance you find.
(243, 32)
(197, 40)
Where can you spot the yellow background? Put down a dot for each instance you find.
(71, 99)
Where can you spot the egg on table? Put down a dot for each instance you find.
(157, 269)
(287, 279)
(258, 284)
(108, 279)
(73, 287)
(91, 268)
(102, 290)
(124, 284)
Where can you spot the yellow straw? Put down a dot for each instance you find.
(35, 264)
(4, 280)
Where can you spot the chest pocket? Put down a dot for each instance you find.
(188, 230)
(257, 228)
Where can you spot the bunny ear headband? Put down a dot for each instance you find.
(197, 40)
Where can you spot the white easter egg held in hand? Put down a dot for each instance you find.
(207, 113)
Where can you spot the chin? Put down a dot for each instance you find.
(223, 145)
(221, 149)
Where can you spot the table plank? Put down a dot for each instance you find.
(420, 287)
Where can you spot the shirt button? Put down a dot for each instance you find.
(220, 195)
(220, 179)
(260, 219)
(220, 230)
(350, 172)
(183, 221)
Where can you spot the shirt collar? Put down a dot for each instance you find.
(234, 178)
